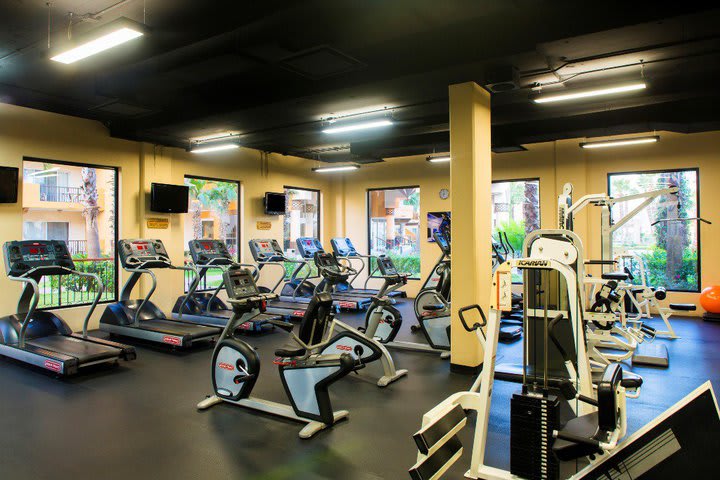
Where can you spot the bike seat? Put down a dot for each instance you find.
(434, 307)
(289, 351)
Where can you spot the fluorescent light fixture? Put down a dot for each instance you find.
(439, 159)
(343, 168)
(559, 97)
(214, 148)
(214, 136)
(620, 142)
(115, 37)
(359, 126)
(45, 173)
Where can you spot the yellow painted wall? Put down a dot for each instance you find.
(32, 133)
(554, 163)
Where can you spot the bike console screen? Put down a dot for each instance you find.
(143, 253)
(442, 242)
(240, 284)
(386, 266)
(52, 256)
(205, 251)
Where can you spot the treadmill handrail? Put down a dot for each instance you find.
(140, 271)
(33, 304)
(100, 291)
(195, 283)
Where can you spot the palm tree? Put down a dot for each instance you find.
(89, 197)
(531, 207)
(197, 194)
(221, 195)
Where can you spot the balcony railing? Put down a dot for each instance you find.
(68, 290)
(77, 247)
(54, 193)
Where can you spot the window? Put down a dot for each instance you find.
(668, 249)
(394, 227)
(516, 212)
(302, 219)
(212, 213)
(77, 204)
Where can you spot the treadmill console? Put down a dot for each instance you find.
(308, 246)
(52, 256)
(343, 247)
(143, 253)
(240, 284)
(266, 250)
(442, 242)
(213, 252)
(329, 266)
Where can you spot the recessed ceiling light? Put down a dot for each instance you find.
(560, 97)
(620, 142)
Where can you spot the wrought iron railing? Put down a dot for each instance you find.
(68, 290)
(54, 193)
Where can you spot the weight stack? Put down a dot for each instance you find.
(532, 421)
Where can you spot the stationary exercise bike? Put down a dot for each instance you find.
(371, 356)
(306, 374)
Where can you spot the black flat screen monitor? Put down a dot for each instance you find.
(274, 203)
(8, 185)
(166, 198)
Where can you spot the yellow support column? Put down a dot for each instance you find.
(470, 182)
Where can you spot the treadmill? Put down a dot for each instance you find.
(307, 247)
(292, 305)
(205, 307)
(345, 250)
(142, 319)
(40, 337)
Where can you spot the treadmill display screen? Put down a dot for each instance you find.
(24, 255)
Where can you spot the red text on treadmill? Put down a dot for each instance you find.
(54, 366)
(344, 348)
(348, 305)
(298, 313)
(226, 366)
(171, 340)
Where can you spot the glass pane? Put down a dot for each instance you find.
(78, 205)
(302, 209)
(516, 212)
(668, 249)
(213, 213)
(394, 226)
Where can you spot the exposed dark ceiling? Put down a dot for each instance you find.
(272, 70)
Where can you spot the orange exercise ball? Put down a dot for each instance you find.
(710, 299)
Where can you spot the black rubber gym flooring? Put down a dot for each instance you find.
(139, 420)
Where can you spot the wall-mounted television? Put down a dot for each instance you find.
(274, 203)
(165, 198)
(8, 185)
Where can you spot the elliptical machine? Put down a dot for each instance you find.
(369, 353)
(305, 373)
(436, 289)
(383, 320)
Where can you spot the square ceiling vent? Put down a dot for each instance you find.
(123, 109)
(321, 62)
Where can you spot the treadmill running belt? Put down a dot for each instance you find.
(85, 352)
(178, 328)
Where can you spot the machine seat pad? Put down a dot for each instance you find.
(585, 426)
(289, 351)
(630, 380)
(685, 307)
(619, 276)
(433, 307)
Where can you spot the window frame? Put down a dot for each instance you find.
(116, 229)
(528, 179)
(238, 220)
(368, 226)
(697, 203)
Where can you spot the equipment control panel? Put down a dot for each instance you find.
(143, 253)
(266, 250)
(386, 266)
(442, 242)
(51, 256)
(343, 247)
(307, 246)
(240, 284)
(208, 251)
